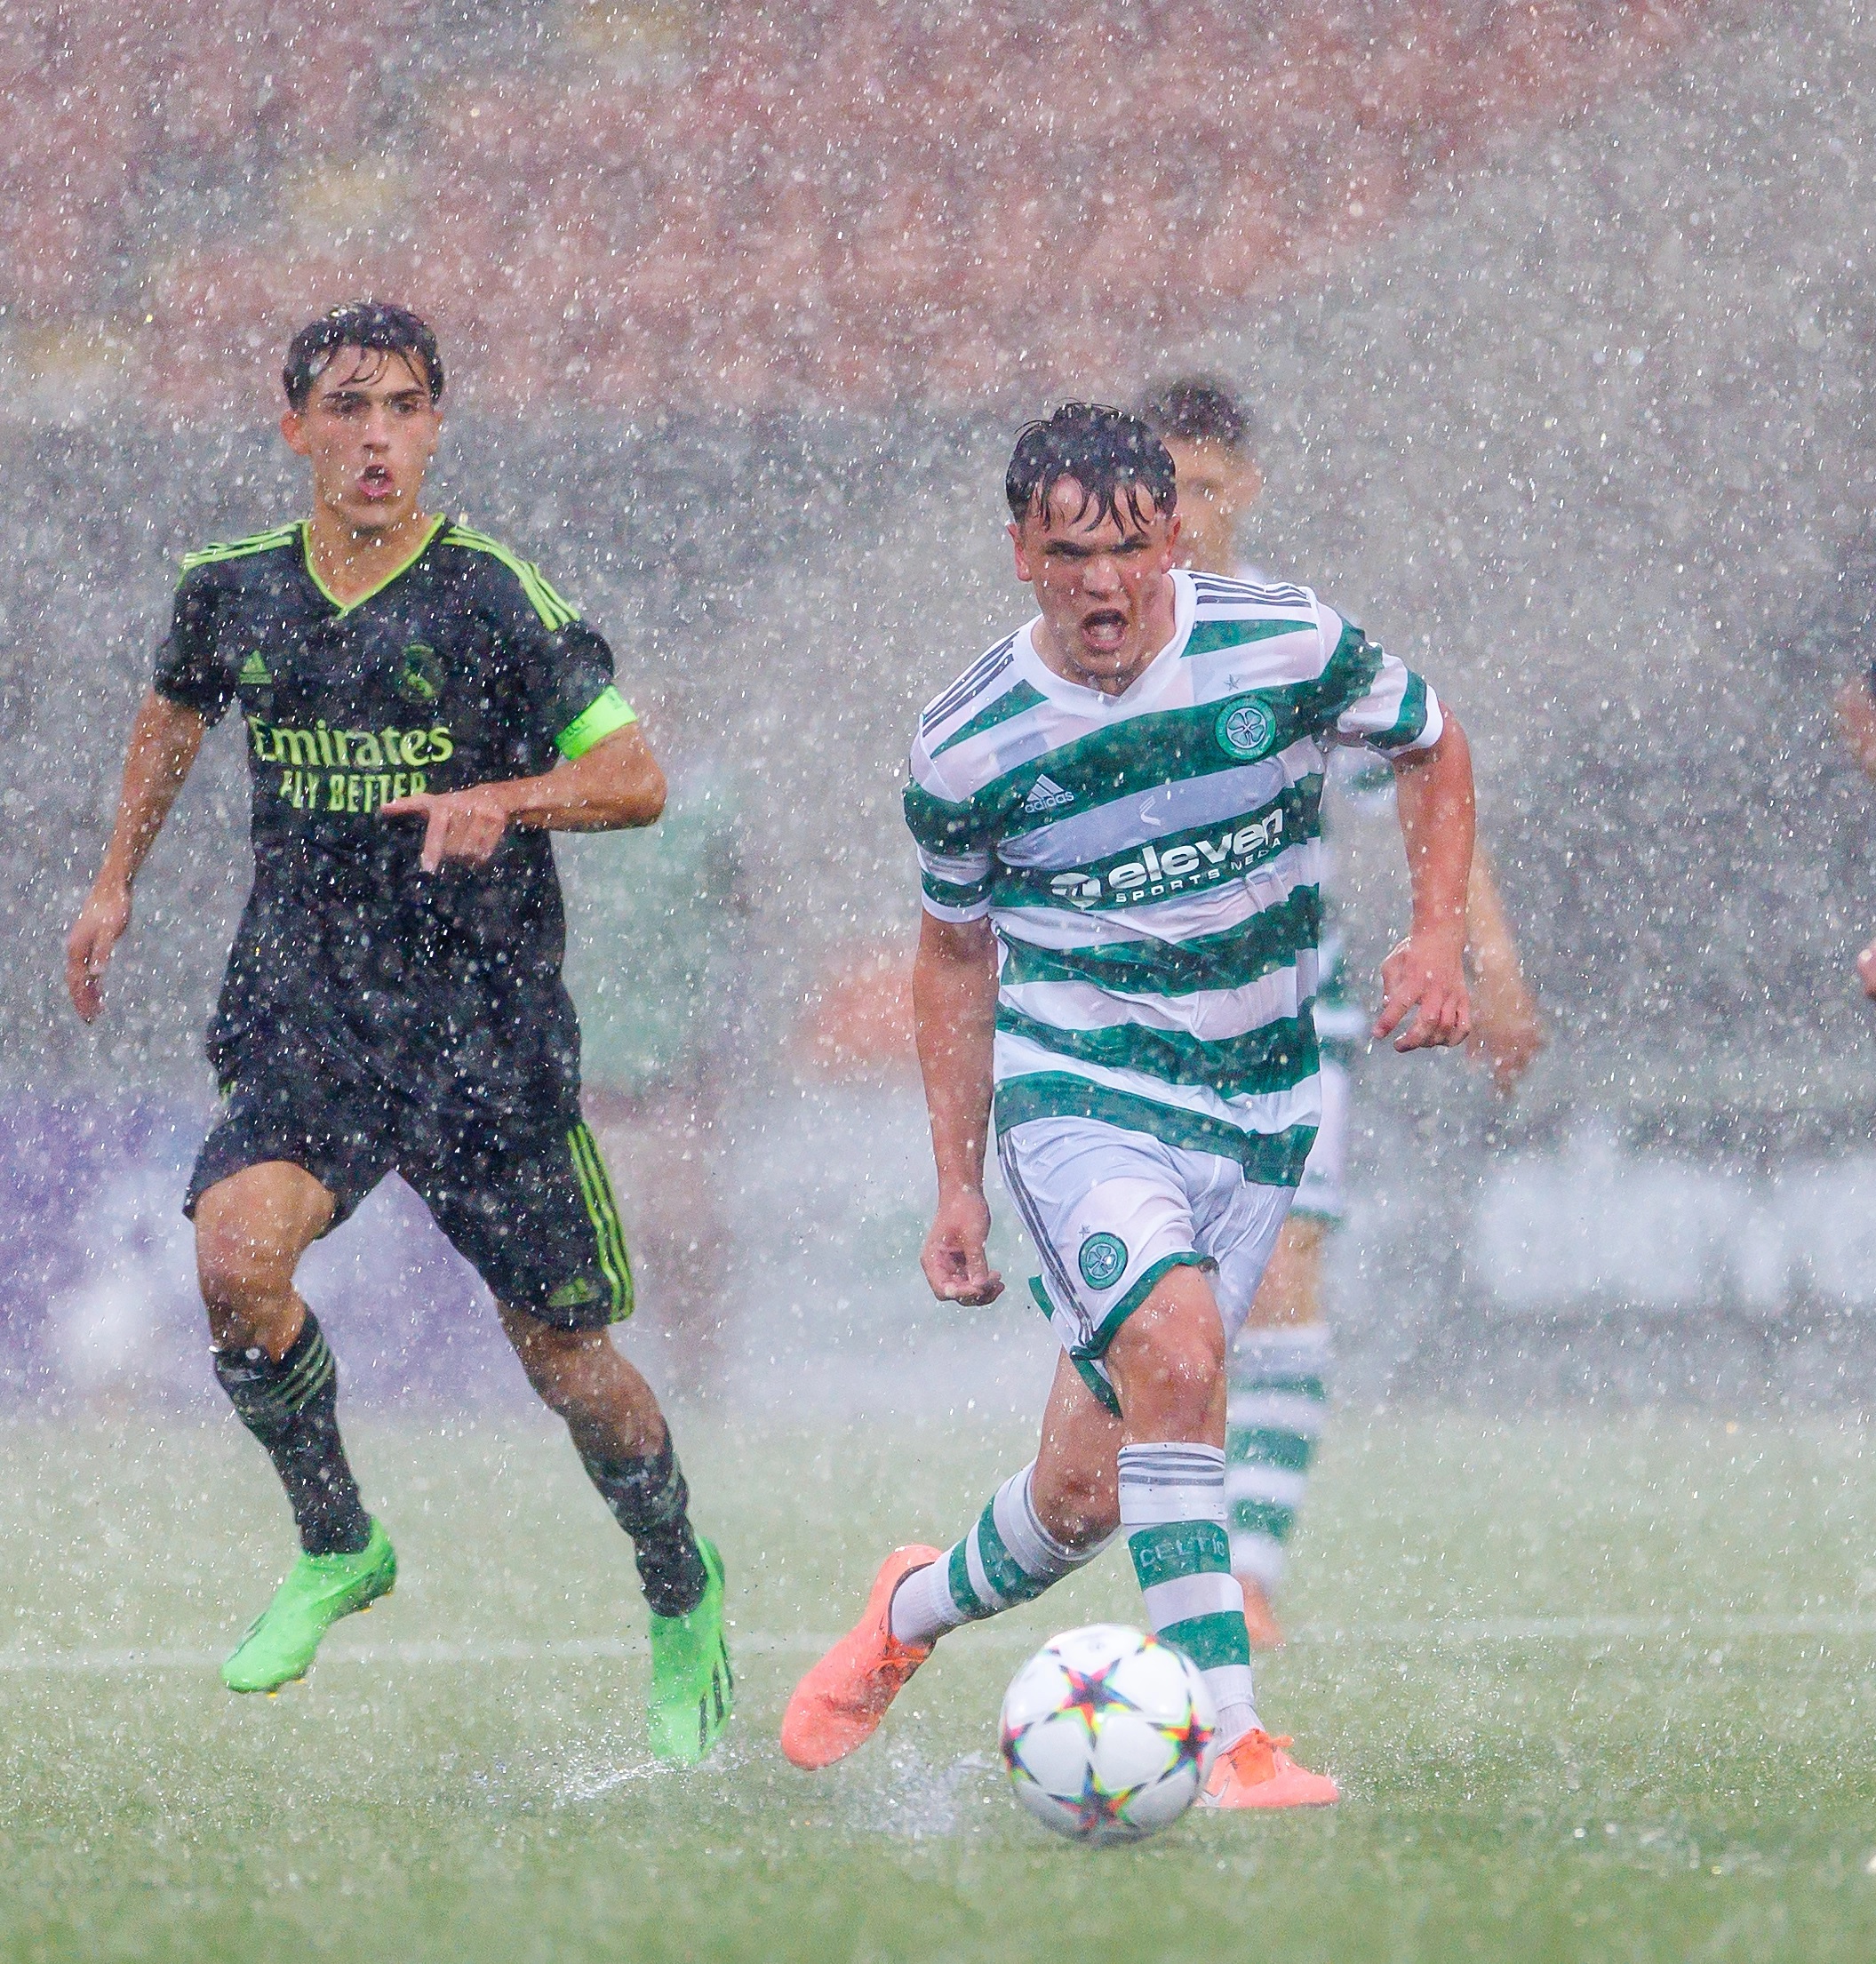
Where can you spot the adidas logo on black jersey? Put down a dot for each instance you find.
(254, 672)
(1045, 794)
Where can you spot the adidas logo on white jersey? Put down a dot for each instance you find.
(1045, 794)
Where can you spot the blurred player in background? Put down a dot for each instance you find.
(1116, 810)
(1857, 718)
(419, 709)
(1280, 1366)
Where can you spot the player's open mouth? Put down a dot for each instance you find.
(1104, 630)
(374, 481)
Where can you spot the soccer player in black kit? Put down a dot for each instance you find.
(421, 709)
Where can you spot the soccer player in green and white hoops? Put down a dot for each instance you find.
(1116, 815)
(1280, 1365)
(421, 709)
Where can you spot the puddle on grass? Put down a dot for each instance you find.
(587, 1780)
(582, 1777)
(918, 1800)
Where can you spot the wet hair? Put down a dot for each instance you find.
(1113, 457)
(372, 325)
(1200, 409)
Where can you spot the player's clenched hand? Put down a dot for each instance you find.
(458, 825)
(954, 1259)
(98, 929)
(1507, 1042)
(1425, 977)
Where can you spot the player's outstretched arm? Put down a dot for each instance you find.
(615, 785)
(954, 1007)
(1425, 977)
(1507, 1031)
(164, 741)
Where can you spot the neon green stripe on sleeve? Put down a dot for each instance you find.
(609, 711)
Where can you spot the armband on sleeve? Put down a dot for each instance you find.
(608, 713)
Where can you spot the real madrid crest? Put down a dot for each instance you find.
(419, 674)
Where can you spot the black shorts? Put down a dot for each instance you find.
(526, 1202)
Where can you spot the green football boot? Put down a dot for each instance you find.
(281, 1641)
(692, 1689)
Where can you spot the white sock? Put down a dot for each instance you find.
(1008, 1556)
(1172, 1512)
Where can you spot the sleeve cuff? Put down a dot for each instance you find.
(608, 711)
(1418, 726)
(972, 910)
(210, 712)
(1432, 727)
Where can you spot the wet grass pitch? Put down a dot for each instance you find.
(1597, 1688)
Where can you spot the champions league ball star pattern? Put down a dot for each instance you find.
(1107, 1734)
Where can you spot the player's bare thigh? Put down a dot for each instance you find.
(251, 1229)
(1168, 1365)
(1290, 1295)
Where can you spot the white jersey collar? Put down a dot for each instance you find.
(1148, 687)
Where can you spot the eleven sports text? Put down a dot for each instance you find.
(1154, 875)
(330, 770)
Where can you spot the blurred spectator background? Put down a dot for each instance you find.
(851, 202)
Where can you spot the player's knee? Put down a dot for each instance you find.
(251, 1231)
(1173, 1388)
(239, 1281)
(1185, 1358)
(1170, 1368)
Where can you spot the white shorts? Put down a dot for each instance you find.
(1110, 1211)
(1321, 1194)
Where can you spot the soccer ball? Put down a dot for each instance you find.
(1107, 1734)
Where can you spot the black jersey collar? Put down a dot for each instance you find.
(370, 593)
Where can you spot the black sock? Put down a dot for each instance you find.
(292, 1408)
(650, 1502)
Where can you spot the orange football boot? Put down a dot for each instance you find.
(1260, 1620)
(1256, 1772)
(839, 1704)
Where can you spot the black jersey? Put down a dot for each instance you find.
(436, 990)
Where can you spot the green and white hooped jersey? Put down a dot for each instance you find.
(1151, 863)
